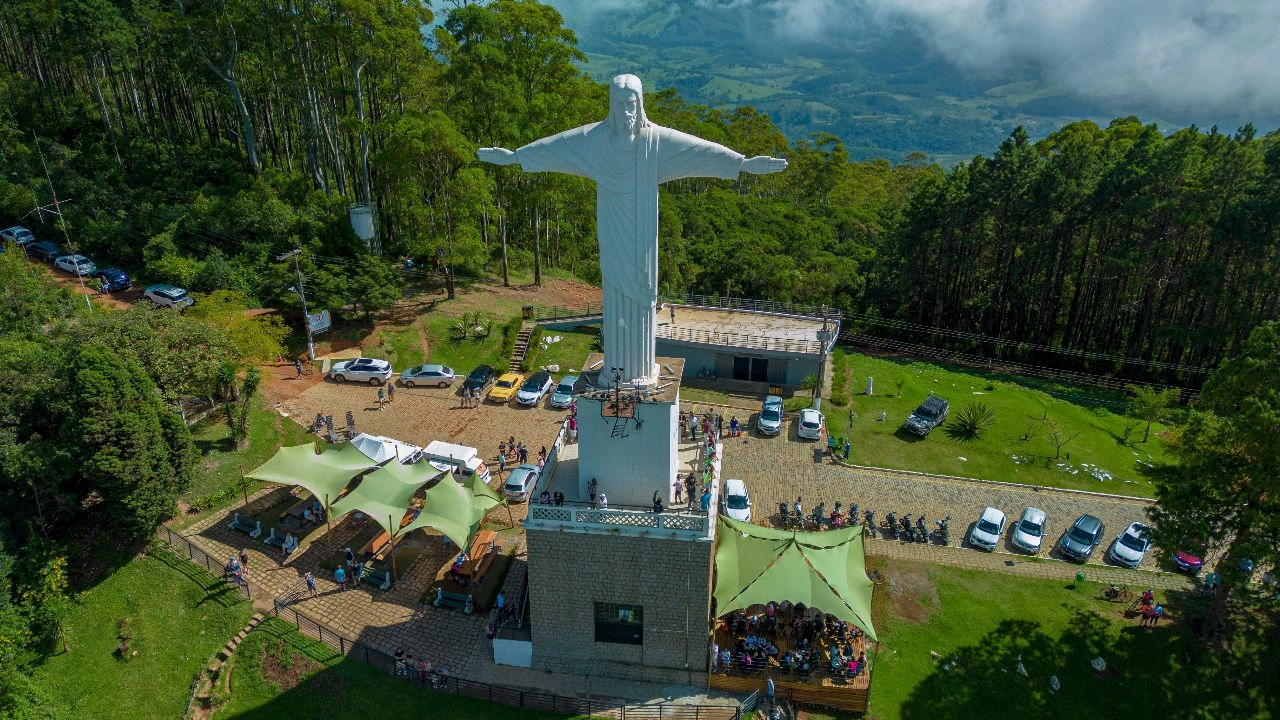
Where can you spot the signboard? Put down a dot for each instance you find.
(319, 322)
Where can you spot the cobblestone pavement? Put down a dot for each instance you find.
(780, 469)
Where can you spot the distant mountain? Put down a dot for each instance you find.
(884, 91)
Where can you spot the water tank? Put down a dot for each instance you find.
(362, 221)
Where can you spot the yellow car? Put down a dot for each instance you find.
(506, 387)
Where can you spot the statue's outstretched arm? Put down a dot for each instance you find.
(763, 165)
(497, 156)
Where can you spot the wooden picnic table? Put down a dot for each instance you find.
(483, 551)
(377, 546)
(296, 510)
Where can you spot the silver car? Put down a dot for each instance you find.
(1028, 533)
(371, 370)
(770, 420)
(1131, 545)
(167, 296)
(520, 482)
(563, 395)
(438, 375)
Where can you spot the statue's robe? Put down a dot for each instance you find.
(627, 221)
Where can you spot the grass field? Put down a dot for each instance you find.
(999, 452)
(463, 355)
(980, 623)
(280, 674)
(177, 615)
(569, 353)
(220, 462)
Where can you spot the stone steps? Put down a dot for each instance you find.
(521, 347)
(208, 678)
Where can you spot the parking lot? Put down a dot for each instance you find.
(419, 415)
(778, 469)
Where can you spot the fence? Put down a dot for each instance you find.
(783, 308)
(512, 697)
(556, 312)
(750, 342)
(200, 557)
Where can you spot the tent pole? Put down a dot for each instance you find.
(244, 485)
(327, 527)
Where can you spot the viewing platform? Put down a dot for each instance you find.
(578, 515)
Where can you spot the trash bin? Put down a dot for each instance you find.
(527, 312)
(817, 454)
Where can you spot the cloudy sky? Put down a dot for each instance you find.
(1218, 58)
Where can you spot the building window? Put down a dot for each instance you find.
(619, 623)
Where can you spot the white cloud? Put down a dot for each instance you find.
(1220, 58)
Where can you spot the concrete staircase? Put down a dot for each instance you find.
(521, 348)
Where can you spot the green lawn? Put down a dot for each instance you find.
(999, 453)
(462, 355)
(221, 464)
(979, 623)
(280, 674)
(178, 617)
(569, 353)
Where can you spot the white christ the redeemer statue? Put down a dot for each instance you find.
(628, 157)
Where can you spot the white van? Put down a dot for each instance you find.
(459, 458)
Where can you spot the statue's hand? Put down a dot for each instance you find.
(497, 156)
(763, 165)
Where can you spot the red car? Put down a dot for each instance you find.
(1189, 562)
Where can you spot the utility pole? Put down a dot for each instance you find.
(62, 223)
(302, 295)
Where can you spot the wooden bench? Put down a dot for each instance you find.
(458, 601)
(377, 547)
(281, 541)
(296, 511)
(253, 529)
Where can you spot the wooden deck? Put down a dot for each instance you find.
(850, 697)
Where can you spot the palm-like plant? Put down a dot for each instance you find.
(974, 418)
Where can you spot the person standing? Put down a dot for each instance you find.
(673, 314)
(678, 487)
(340, 576)
(573, 428)
(244, 560)
(311, 584)
(297, 368)
(502, 461)
(769, 691)
(382, 398)
(391, 392)
(705, 502)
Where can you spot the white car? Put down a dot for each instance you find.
(76, 265)
(563, 395)
(770, 420)
(987, 531)
(1131, 545)
(811, 422)
(534, 388)
(520, 482)
(1028, 533)
(168, 296)
(372, 370)
(736, 503)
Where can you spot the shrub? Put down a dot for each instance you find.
(797, 403)
(974, 418)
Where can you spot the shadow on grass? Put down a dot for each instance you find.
(218, 445)
(1161, 672)
(216, 591)
(960, 434)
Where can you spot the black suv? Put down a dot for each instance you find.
(931, 413)
(479, 378)
(45, 251)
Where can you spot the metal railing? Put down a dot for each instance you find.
(513, 697)
(556, 312)
(751, 342)
(769, 306)
(685, 521)
(200, 557)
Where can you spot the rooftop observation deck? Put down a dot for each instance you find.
(750, 324)
(578, 514)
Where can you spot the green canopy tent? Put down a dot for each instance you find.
(483, 496)
(387, 494)
(825, 570)
(324, 475)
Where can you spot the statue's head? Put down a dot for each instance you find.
(626, 105)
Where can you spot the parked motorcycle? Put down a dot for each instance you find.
(819, 516)
(908, 530)
(891, 525)
(944, 530)
(784, 516)
(922, 530)
(870, 522)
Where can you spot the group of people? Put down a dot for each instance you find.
(546, 498)
(757, 639)
(1151, 611)
(237, 568)
(687, 488)
(470, 397)
(386, 394)
(406, 666)
(709, 425)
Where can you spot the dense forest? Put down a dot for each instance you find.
(198, 139)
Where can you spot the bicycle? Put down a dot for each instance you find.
(1116, 593)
